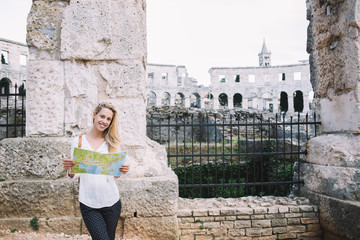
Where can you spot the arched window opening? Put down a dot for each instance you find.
(284, 104)
(195, 100)
(180, 100)
(223, 100)
(298, 101)
(151, 98)
(4, 86)
(237, 100)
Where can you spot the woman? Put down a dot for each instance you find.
(99, 198)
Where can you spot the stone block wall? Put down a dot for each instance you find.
(248, 218)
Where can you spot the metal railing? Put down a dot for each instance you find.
(235, 155)
(12, 114)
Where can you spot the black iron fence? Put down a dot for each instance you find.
(234, 155)
(12, 113)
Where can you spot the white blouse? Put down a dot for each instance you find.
(95, 191)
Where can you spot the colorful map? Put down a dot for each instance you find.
(91, 162)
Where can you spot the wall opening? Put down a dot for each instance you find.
(237, 100)
(151, 99)
(284, 104)
(223, 99)
(298, 101)
(4, 86)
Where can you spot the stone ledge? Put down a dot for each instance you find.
(68, 225)
(336, 214)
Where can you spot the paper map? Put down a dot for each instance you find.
(91, 162)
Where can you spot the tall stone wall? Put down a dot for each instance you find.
(83, 52)
(331, 170)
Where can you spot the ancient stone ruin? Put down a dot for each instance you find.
(86, 51)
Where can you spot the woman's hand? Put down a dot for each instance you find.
(68, 164)
(124, 169)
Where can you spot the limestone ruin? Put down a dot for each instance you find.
(86, 51)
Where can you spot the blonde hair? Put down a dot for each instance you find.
(111, 134)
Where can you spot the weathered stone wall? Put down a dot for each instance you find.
(83, 52)
(182, 89)
(331, 170)
(248, 218)
(265, 89)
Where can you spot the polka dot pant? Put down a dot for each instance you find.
(101, 223)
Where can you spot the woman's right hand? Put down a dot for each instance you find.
(68, 164)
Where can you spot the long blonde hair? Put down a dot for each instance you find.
(111, 134)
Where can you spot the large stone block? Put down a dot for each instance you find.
(68, 225)
(43, 29)
(112, 29)
(154, 228)
(340, 150)
(340, 218)
(132, 121)
(45, 99)
(337, 182)
(125, 79)
(149, 197)
(37, 198)
(149, 161)
(91, 83)
(33, 158)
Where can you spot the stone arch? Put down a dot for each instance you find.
(223, 99)
(180, 99)
(151, 98)
(298, 101)
(195, 100)
(237, 100)
(5, 86)
(284, 104)
(165, 99)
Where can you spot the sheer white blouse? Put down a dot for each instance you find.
(95, 191)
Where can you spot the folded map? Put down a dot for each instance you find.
(91, 162)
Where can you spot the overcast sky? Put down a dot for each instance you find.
(201, 34)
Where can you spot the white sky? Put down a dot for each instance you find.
(201, 34)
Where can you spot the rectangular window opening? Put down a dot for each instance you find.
(283, 77)
(222, 78)
(4, 57)
(179, 81)
(237, 78)
(164, 76)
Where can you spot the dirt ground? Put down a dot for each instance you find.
(18, 235)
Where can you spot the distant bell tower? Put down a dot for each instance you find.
(264, 56)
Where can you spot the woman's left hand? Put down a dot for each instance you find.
(124, 169)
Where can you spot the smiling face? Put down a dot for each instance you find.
(102, 119)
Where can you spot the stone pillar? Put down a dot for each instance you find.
(158, 100)
(83, 52)
(216, 103)
(331, 170)
(187, 101)
(230, 102)
(172, 100)
(202, 103)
